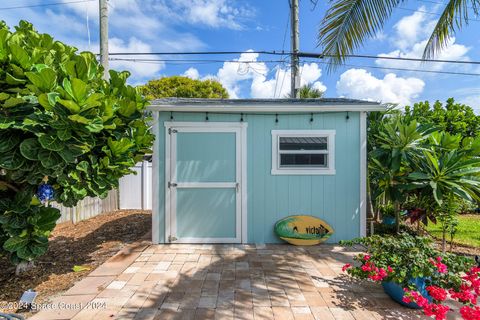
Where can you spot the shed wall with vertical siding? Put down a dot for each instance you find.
(333, 198)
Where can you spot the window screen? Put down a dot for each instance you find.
(303, 152)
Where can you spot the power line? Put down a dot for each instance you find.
(431, 13)
(272, 52)
(409, 70)
(301, 55)
(365, 56)
(206, 61)
(45, 4)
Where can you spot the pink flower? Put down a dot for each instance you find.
(366, 257)
(439, 259)
(346, 266)
(390, 270)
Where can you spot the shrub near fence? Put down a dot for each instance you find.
(88, 208)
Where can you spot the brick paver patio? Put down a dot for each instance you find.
(225, 282)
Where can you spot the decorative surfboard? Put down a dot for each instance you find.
(303, 230)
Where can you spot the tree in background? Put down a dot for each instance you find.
(183, 87)
(65, 133)
(453, 117)
(308, 92)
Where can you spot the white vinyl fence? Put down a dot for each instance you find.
(136, 189)
(88, 208)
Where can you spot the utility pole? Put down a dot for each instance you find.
(104, 37)
(295, 79)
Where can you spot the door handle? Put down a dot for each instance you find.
(237, 186)
(172, 184)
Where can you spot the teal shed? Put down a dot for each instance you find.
(225, 171)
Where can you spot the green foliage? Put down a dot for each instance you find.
(308, 92)
(183, 87)
(423, 157)
(400, 251)
(454, 118)
(467, 231)
(61, 122)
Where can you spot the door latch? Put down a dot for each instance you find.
(172, 184)
(237, 186)
(172, 238)
(171, 130)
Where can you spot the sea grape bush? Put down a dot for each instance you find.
(65, 133)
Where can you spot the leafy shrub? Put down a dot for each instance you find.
(59, 122)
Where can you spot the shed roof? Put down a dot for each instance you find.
(264, 105)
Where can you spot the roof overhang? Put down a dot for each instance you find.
(265, 105)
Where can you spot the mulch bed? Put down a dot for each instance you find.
(88, 243)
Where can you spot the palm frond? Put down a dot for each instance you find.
(347, 24)
(453, 17)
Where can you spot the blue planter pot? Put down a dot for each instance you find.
(389, 221)
(395, 291)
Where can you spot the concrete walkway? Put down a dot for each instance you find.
(225, 282)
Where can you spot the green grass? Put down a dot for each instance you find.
(468, 230)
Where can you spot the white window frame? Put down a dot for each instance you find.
(329, 170)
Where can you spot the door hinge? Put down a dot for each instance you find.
(172, 238)
(171, 130)
(172, 184)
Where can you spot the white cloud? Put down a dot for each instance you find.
(211, 13)
(138, 70)
(472, 101)
(236, 76)
(411, 36)
(361, 84)
(192, 73)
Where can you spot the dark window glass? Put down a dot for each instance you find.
(303, 160)
(303, 143)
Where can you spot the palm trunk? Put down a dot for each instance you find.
(397, 216)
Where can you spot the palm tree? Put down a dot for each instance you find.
(348, 23)
(308, 92)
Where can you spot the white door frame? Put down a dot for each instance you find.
(241, 176)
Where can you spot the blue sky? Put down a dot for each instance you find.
(234, 25)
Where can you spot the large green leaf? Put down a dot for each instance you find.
(11, 160)
(79, 90)
(70, 105)
(49, 158)
(95, 125)
(20, 55)
(8, 140)
(30, 148)
(15, 243)
(45, 80)
(70, 153)
(48, 218)
(51, 142)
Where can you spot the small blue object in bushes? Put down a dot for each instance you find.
(389, 221)
(45, 192)
(395, 291)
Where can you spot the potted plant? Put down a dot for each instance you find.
(387, 212)
(415, 274)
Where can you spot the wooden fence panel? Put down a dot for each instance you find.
(88, 208)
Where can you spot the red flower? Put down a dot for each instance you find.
(390, 269)
(366, 257)
(437, 293)
(437, 310)
(442, 268)
(470, 313)
(345, 267)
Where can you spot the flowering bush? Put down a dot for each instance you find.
(466, 294)
(404, 257)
